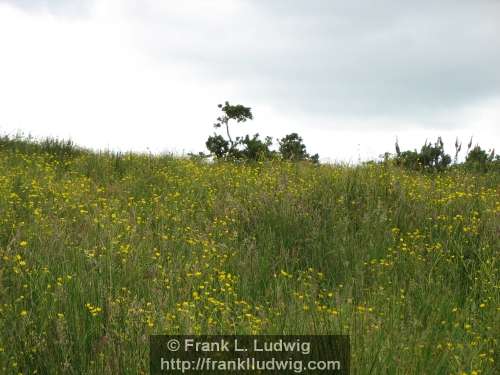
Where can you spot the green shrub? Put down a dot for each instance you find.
(431, 157)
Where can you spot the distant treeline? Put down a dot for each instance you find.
(251, 148)
(431, 157)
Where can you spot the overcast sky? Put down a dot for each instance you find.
(349, 76)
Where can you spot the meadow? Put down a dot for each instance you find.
(100, 250)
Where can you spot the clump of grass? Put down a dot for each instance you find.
(99, 250)
(51, 146)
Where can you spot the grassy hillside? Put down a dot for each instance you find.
(98, 251)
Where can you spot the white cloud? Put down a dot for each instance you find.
(67, 8)
(132, 75)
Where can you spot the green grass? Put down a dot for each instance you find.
(100, 250)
